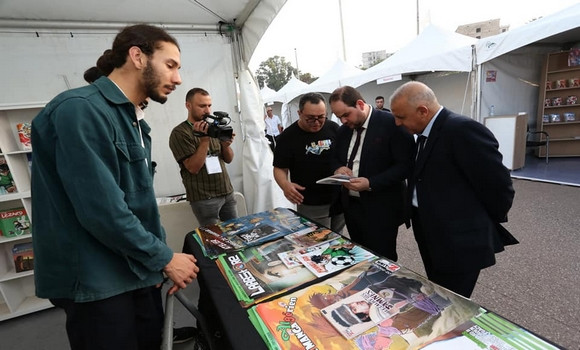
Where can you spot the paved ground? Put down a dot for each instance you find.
(535, 283)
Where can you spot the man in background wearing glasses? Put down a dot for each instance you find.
(303, 151)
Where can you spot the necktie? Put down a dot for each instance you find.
(420, 145)
(355, 147)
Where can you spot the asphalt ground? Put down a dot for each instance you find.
(536, 283)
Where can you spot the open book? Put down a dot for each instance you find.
(337, 179)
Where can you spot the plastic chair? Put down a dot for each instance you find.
(539, 139)
(178, 218)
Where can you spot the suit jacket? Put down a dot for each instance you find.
(386, 161)
(464, 193)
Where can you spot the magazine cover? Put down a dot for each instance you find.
(250, 230)
(23, 256)
(24, 136)
(258, 273)
(307, 238)
(337, 179)
(332, 256)
(14, 222)
(6, 180)
(356, 313)
(295, 320)
(488, 331)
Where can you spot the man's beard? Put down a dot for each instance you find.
(152, 83)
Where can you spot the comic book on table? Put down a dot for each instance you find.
(418, 311)
(487, 330)
(251, 230)
(262, 272)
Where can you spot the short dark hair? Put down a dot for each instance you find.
(379, 98)
(346, 94)
(312, 97)
(146, 37)
(194, 91)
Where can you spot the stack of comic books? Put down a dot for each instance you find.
(251, 230)
(373, 305)
(261, 272)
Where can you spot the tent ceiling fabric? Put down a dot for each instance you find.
(253, 16)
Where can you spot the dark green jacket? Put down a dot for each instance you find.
(96, 227)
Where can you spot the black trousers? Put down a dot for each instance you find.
(461, 283)
(272, 140)
(366, 228)
(128, 321)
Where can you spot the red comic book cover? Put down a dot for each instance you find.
(24, 136)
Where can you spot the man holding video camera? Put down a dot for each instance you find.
(201, 147)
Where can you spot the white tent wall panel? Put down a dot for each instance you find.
(516, 87)
(38, 68)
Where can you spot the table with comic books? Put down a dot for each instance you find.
(278, 280)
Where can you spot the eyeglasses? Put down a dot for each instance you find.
(311, 120)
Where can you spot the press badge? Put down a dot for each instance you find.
(212, 164)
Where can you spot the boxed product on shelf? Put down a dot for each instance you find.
(569, 116)
(574, 57)
(6, 180)
(24, 136)
(14, 222)
(23, 256)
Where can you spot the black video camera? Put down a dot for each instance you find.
(218, 126)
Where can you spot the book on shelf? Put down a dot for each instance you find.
(418, 311)
(6, 180)
(23, 256)
(14, 222)
(337, 179)
(260, 272)
(24, 135)
(29, 160)
(251, 230)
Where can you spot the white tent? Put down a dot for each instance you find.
(48, 45)
(268, 94)
(440, 58)
(515, 59)
(325, 84)
(336, 76)
(433, 50)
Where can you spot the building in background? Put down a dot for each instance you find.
(371, 58)
(482, 29)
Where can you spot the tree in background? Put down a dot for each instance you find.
(274, 72)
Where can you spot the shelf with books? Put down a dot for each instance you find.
(16, 288)
(558, 105)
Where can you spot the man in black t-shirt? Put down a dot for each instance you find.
(303, 151)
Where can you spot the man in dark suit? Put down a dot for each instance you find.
(460, 191)
(379, 156)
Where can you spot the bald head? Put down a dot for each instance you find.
(414, 104)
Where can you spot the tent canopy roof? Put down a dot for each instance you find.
(434, 49)
(252, 16)
(553, 30)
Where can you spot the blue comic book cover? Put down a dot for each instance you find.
(251, 230)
